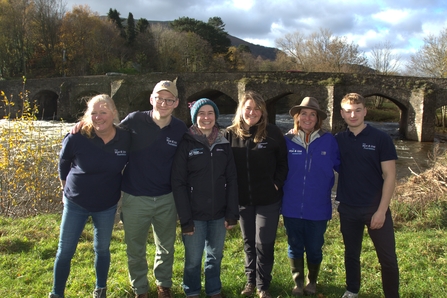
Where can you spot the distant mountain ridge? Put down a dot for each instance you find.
(256, 50)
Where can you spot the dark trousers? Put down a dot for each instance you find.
(352, 224)
(259, 225)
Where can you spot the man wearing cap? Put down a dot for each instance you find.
(147, 195)
(306, 207)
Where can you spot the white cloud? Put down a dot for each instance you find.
(366, 22)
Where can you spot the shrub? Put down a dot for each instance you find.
(28, 162)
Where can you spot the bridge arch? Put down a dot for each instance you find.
(417, 98)
(47, 103)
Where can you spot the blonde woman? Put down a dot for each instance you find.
(90, 167)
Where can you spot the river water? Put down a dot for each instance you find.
(412, 156)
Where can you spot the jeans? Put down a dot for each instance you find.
(208, 236)
(138, 214)
(305, 236)
(74, 218)
(259, 225)
(352, 224)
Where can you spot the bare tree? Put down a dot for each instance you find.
(431, 59)
(384, 60)
(322, 51)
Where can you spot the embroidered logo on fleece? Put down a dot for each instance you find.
(296, 151)
(196, 151)
(262, 145)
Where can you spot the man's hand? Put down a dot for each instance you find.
(76, 128)
(377, 220)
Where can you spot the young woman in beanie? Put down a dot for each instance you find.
(260, 153)
(306, 207)
(204, 184)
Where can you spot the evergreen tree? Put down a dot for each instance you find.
(131, 34)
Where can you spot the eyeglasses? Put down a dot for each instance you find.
(167, 101)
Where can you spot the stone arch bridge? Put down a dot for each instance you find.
(64, 98)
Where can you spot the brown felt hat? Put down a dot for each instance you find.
(308, 103)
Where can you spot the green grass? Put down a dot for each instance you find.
(28, 246)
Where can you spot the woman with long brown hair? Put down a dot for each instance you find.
(260, 154)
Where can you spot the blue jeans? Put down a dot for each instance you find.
(208, 235)
(305, 236)
(74, 218)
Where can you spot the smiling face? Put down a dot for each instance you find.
(102, 117)
(353, 114)
(206, 118)
(251, 114)
(307, 119)
(162, 104)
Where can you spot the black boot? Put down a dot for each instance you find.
(311, 288)
(297, 268)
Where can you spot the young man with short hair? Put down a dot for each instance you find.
(147, 195)
(365, 186)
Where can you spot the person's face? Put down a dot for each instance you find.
(251, 113)
(353, 114)
(163, 103)
(102, 117)
(206, 119)
(307, 119)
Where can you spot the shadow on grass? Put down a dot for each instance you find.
(13, 246)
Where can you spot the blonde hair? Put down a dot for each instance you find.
(87, 126)
(237, 125)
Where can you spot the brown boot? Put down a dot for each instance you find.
(248, 290)
(311, 288)
(164, 292)
(297, 268)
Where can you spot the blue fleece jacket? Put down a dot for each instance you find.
(307, 190)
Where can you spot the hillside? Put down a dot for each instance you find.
(256, 50)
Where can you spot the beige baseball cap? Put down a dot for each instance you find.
(166, 86)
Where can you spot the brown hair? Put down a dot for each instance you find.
(237, 125)
(296, 123)
(87, 126)
(353, 98)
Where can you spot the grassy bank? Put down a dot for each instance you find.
(29, 237)
(28, 246)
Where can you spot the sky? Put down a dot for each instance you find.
(403, 23)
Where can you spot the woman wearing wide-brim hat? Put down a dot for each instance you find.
(306, 207)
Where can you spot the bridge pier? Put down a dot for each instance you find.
(417, 98)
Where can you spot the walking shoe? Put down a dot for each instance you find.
(217, 296)
(144, 295)
(99, 293)
(249, 289)
(264, 294)
(51, 295)
(164, 292)
(348, 294)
